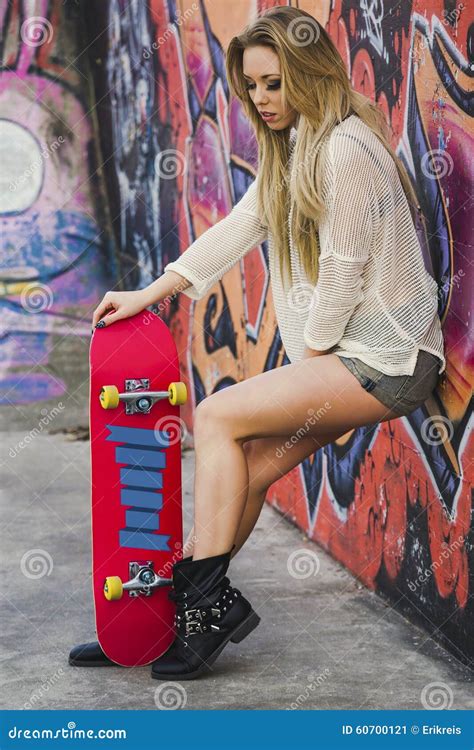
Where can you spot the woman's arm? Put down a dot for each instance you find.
(337, 293)
(346, 233)
(215, 251)
(164, 288)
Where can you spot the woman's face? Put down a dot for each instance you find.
(262, 75)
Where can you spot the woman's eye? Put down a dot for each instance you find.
(275, 85)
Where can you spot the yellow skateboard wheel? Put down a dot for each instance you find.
(109, 397)
(177, 394)
(113, 588)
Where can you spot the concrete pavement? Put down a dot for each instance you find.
(324, 642)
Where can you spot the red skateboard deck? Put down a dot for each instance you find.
(136, 485)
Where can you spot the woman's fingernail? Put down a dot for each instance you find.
(100, 324)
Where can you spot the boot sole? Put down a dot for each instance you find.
(238, 634)
(92, 664)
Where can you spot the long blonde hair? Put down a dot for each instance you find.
(315, 83)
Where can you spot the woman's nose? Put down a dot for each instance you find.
(260, 98)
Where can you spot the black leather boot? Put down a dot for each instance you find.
(209, 614)
(91, 654)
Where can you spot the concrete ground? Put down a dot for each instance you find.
(324, 641)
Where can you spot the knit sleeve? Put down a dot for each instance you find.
(217, 249)
(346, 233)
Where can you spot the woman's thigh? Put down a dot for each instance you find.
(317, 397)
(270, 458)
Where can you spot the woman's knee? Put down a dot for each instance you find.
(205, 421)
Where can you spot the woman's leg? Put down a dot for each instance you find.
(316, 397)
(264, 469)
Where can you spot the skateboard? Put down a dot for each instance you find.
(135, 440)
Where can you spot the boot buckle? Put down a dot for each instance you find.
(189, 615)
(192, 615)
(194, 618)
(193, 624)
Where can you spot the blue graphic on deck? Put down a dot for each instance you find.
(150, 459)
(139, 519)
(141, 478)
(142, 452)
(145, 499)
(136, 436)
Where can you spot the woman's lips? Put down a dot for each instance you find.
(268, 116)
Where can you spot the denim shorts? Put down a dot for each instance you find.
(400, 393)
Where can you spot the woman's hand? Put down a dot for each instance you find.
(119, 305)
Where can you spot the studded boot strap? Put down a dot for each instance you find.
(190, 621)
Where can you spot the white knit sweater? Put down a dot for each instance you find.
(374, 300)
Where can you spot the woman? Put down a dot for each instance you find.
(332, 199)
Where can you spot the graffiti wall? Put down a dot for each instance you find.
(54, 247)
(392, 504)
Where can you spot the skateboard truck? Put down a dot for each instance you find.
(138, 399)
(143, 580)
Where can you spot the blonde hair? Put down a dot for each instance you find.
(315, 83)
